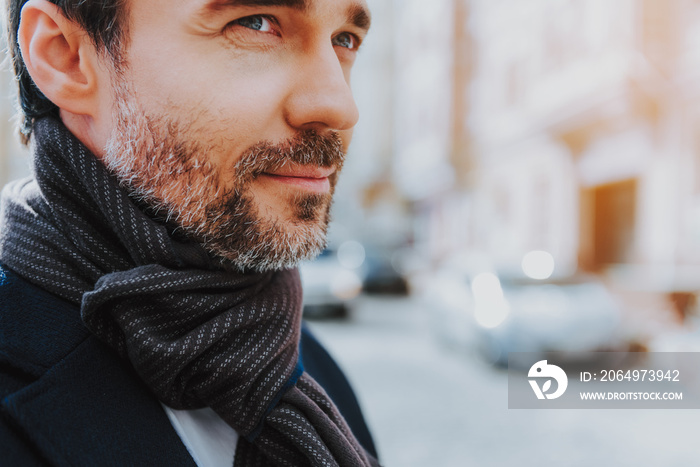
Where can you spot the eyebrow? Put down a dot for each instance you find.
(216, 5)
(357, 14)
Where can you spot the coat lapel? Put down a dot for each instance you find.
(91, 409)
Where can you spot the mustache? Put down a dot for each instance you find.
(306, 148)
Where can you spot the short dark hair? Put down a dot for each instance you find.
(103, 20)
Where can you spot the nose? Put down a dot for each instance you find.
(321, 98)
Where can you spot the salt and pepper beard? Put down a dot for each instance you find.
(165, 164)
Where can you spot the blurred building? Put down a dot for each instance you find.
(575, 130)
(577, 119)
(401, 152)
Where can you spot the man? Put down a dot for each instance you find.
(185, 154)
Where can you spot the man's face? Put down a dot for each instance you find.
(232, 118)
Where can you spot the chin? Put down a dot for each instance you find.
(286, 251)
(261, 243)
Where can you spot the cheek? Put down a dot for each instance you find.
(235, 101)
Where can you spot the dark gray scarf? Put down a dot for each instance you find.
(197, 333)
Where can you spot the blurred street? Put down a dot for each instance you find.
(433, 406)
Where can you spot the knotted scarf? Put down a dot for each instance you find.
(198, 334)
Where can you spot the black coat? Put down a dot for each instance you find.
(67, 399)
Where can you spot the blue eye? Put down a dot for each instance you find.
(346, 40)
(256, 22)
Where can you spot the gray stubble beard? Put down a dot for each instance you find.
(191, 195)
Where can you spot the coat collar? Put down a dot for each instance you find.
(87, 406)
(91, 410)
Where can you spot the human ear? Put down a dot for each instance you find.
(59, 56)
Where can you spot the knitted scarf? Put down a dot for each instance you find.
(197, 333)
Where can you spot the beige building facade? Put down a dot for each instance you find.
(585, 136)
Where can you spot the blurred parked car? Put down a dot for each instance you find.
(342, 272)
(328, 286)
(569, 315)
(380, 273)
(497, 315)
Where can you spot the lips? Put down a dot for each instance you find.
(310, 178)
(303, 171)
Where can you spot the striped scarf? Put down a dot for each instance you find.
(196, 332)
